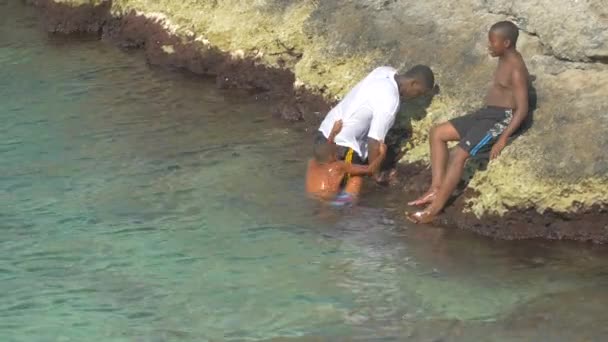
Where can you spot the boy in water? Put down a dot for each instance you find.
(506, 108)
(326, 172)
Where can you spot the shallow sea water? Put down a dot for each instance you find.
(143, 205)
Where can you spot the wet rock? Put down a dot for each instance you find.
(82, 18)
(290, 111)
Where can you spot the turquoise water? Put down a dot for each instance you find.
(144, 205)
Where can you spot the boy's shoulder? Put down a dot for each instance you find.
(335, 166)
(517, 60)
(515, 63)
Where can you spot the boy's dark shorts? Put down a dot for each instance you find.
(480, 129)
(342, 151)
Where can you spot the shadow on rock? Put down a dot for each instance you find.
(401, 132)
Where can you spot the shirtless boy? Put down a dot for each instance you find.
(326, 173)
(506, 107)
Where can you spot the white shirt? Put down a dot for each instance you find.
(367, 111)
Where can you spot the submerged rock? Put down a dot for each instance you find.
(552, 181)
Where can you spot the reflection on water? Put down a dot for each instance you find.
(139, 205)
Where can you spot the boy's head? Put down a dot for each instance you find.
(417, 81)
(502, 37)
(325, 153)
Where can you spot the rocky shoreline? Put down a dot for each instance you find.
(586, 226)
(232, 70)
(161, 48)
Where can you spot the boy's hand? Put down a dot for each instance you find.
(497, 148)
(380, 177)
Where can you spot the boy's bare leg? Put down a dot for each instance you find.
(440, 135)
(350, 194)
(453, 176)
(353, 186)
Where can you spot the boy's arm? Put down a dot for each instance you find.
(367, 170)
(382, 121)
(520, 92)
(373, 148)
(334, 131)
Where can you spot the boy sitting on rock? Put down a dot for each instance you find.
(506, 108)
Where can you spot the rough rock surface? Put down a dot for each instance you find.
(557, 168)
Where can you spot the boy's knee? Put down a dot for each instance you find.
(460, 155)
(442, 132)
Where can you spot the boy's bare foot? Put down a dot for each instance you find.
(421, 217)
(427, 198)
